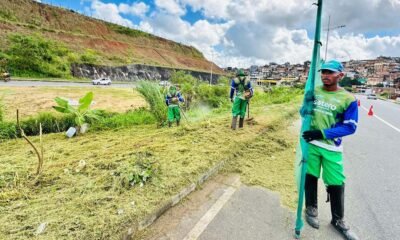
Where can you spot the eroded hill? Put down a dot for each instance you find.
(106, 43)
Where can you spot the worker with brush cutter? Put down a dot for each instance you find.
(244, 92)
(172, 100)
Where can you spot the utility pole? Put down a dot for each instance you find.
(327, 35)
(212, 56)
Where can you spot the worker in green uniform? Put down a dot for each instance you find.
(335, 115)
(242, 86)
(173, 98)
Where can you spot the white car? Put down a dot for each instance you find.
(102, 81)
(371, 96)
(164, 83)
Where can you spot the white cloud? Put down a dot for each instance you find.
(109, 12)
(145, 26)
(210, 8)
(261, 31)
(280, 30)
(136, 9)
(359, 47)
(171, 7)
(202, 34)
(360, 16)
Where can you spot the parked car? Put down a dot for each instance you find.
(5, 76)
(164, 83)
(371, 96)
(102, 81)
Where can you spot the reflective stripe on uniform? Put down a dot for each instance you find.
(350, 121)
(327, 146)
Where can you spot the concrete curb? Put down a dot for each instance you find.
(49, 80)
(148, 220)
(62, 81)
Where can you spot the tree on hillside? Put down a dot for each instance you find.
(345, 82)
(348, 82)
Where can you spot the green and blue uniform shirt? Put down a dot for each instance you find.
(336, 115)
(240, 86)
(170, 103)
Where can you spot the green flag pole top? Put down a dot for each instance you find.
(314, 79)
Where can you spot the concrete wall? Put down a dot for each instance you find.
(132, 73)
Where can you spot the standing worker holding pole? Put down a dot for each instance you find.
(328, 114)
(335, 115)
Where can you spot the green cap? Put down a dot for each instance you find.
(240, 73)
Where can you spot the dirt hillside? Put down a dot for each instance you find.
(115, 44)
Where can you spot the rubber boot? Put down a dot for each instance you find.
(336, 194)
(234, 120)
(241, 121)
(311, 194)
(177, 122)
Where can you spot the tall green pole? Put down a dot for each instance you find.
(307, 110)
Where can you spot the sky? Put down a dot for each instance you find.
(241, 33)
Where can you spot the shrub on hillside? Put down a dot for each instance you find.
(89, 57)
(35, 56)
(128, 31)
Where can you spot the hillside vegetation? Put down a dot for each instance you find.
(54, 38)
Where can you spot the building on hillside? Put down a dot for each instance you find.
(267, 82)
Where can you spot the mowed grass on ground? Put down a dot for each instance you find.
(32, 100)
(81, 194)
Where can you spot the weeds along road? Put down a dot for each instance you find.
(60, 84)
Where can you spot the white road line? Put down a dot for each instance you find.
(379, 118)
(212, 212)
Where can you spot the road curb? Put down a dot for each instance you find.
(149, 219)
(54, 80)
(63, 81)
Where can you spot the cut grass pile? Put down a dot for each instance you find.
(83, 194)
(32, 100)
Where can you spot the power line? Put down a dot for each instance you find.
(327, 34)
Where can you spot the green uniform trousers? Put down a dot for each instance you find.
(239, 107)
(331, 162)
(174, 113)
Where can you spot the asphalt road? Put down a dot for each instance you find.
(373, 170)
(60, 84)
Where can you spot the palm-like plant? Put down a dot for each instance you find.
(82, 113)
